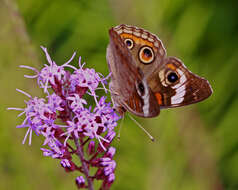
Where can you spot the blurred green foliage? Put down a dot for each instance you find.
(196, 147)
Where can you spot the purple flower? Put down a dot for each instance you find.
(109, 165)
(54, 102)
(77, 103)
(73, 128)
(111, 152)
(111, 178)
(80, 182)
(52, 73)
(85, 78)
(65, 163)
(57, 150)
(90, 130)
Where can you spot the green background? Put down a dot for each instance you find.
(196, 146)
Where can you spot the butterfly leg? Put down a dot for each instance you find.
(139, 125)
(121, 124)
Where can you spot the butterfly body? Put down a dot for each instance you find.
(144, 80)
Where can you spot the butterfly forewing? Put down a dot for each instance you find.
(126, 79)
(146, 48)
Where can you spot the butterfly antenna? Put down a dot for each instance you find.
(112, 92)
(119, 131)
(139, 125)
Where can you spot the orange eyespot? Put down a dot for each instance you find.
(146, 55)
(129, 43)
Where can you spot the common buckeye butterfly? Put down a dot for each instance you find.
(143, 79)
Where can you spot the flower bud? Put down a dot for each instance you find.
(110, 153)
(80, 182)
(68, 165)
(91, 147)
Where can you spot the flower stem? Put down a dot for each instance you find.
(84, 164)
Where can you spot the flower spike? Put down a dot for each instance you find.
(89, 127)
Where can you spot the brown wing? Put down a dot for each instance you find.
(146, 48)
(149, 55)
(174, 85)
(130, 89)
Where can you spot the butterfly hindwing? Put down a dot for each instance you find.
(177, 86)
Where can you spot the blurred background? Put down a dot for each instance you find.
(196, 147)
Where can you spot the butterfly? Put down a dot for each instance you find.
(143, 79)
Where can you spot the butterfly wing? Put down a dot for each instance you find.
(149, 55)
(146, 48)
(174, 85)
(128, 85)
